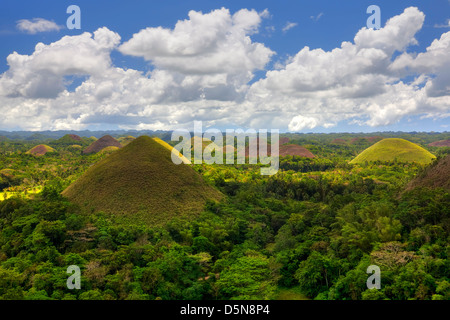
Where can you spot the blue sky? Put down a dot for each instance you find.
(226, 97)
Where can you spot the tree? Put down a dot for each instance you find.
(317, 273)
(250, 277)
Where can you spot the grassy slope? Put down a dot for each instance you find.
(125, 140)
(140, 179)
(109, 149)
(394, 148)
(434, 176)
(39, 148)
(290, 294)
(170, 148)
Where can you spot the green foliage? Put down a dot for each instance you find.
(309, 231)
(250, 277)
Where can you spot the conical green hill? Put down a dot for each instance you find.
(141, 178)
(395, 149)
(125, 140)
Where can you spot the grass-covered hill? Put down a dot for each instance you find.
(170, 148)
(125, 140)
(109, 149)
(141, 179)
(40, 150)
(391, 149)
(68, 140)
(437, 175)
(103, 142)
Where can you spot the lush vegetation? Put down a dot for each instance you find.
(309, 231)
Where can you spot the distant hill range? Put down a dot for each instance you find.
(140, 179)
(48, 134)
(391, 149)
(434, 176)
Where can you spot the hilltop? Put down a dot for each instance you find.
(339, 141)
(141, 179)
(170, 148)
(68, 140)
(283, 140)
(440, 143)
(40, 150)
(108, 149)
(295, 150)
(125, 140)
(391, 149)
(434, 176)
(103, 142)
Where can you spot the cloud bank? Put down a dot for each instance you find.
(203, 67)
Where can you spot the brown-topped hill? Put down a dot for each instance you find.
(103, 142)
(366, 139)
(295, 150)
(284, 149)
(40, 150)
(339, 141)
(141, 181)
(434, 176)
(254, 142)
(74, 137)
(440, 143)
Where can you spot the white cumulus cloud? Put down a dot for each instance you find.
(211, 43)
(359, 80)
(36, 25)
(41, 75)
(201, 70)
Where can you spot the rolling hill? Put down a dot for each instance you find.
(125, 140)
(440, 143)
(434, 176)
(339, 141)
(391, 149)
(68, 140)
(40, 150)
(103, 142)
(170, 148)
(295, 150)
(141, 180)
(109, 149)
